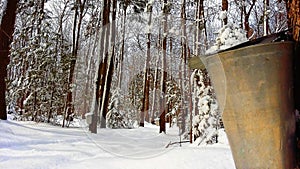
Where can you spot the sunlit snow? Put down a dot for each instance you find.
(28, 145)
(229, 35)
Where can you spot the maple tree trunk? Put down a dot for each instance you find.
(182, 71)
(266, 18)
(293, 7)
(106, 66)
(162, 117)
(145, 107)
(110, 42)
(155, 105)
(247, 17)
(6, 37)
(190, 102)
(121, 59)
(101, 68)
(87, 85)
(79, 12)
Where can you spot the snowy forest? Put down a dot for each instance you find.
(89, 80)
(124, 63)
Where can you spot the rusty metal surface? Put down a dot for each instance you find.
(258, 103)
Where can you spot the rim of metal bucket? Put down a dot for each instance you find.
(246, 47)
(221, 97)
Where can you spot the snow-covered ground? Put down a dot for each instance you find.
(28, 145)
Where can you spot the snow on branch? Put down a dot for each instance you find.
(229, 35)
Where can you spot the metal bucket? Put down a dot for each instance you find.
(254, 88)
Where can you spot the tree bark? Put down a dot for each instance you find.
(79, 12)
(87, 80)
(162, 117)
(247, 16)
(190, 102)
(145, 106)
(106, 66)
(101, 67)
(121, 59)
(155, 104)
(266, 17)
(293, 7)
(6, 37)
(183, 65)
(110, 64)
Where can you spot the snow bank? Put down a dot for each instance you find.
(30, 145)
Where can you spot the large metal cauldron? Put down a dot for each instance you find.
(254, 88)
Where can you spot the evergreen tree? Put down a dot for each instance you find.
(120, 114)
(207, 121)
(37, 66)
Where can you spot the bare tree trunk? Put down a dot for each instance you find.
(121, 59)
(197, 30)
(106, 66)
(162, 117)
(266, 17)
(293, 7)
(247, 16)
(107, 86)
(225, 8)
(182, 71)
(88, 72)
(146, 92)
(76, 38)
(145, 102)
(95, 116)
(6, 37)
(102, 67)
(242, 12)
(69, 104)
(170, 104)
(190, 102)
(154, 99)
(110, 40)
